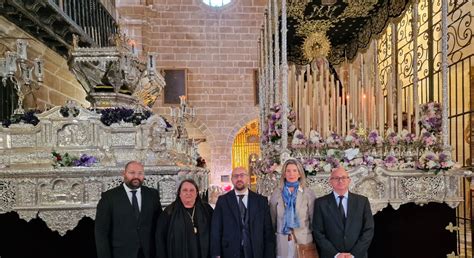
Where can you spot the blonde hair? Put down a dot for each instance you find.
(298, 165)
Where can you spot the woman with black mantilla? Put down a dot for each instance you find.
(183, 228)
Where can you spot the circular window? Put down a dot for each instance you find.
(216, 3)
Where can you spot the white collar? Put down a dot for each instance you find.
(128, 189)
(346, 195)
(244, 192)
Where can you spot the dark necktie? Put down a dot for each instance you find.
(341, 209)
(136, 210)
(242, 208)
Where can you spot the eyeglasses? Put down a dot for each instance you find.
(239, 175)
(342, 178)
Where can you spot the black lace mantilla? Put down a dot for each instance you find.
(349, 25)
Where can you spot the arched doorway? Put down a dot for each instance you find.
(246, 148)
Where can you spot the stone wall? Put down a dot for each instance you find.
(59, 83)
(219, 49)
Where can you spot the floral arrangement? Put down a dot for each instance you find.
(435, 162)
(28, 117)
(314, 139)
(396, 151)
(407, 138)
(390, 161)
(66, 111)
(353, 139)
(298, 139)
(403, 150)
(269, 163)
(374, 138)
(392, 138)
(427, 138)
(311, 166)
(430, 117)
(127, 115)
(334, 140)
(274, 127)
(67, 160)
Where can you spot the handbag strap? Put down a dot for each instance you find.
(294, 236)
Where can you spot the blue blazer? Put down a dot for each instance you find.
(226, 232)
(329, 232)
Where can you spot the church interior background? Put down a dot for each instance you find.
(195, 88)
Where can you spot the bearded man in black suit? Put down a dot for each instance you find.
(126, 217)
(343, 225)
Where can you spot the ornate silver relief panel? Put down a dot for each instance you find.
(384, 187)
(30, 186)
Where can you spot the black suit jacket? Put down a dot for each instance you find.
(329, 232)
(118, 234)
(226, 232)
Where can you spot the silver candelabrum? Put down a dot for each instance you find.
(24, 74)
(183, 112)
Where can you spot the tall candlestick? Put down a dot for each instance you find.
(21, 48)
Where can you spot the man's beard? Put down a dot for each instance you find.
(240, 188)
(131, 186)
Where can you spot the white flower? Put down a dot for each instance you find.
(329, 140)
(314, 137)
(431, 164)
(349, 138)
(351, 153)
(327, 168)
(331, 152)
(356, 162)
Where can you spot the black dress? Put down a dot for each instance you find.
(175, 233)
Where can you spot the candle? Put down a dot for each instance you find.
(182, 100)
(338, 108)
(364, 109)
(11, 63)
(39, 69)
(21, 48)
(151, 63)
(3, 67)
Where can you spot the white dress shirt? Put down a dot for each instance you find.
(130, 194)
(344, 201)
(246, 196)
(344, 204)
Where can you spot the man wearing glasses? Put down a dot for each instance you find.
(241, 224)
(343, 225)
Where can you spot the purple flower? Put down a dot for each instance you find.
(85, 161)
(334, 162)
(390, 161)
(368, 160)
(430, 157)
(442, 157)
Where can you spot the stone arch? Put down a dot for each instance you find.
(237, 126)
(204, 148)
(204, 129)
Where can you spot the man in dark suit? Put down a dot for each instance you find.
(343, 225)
(241, 224)
(126, 217)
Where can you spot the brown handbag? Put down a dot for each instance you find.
(305, 250)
